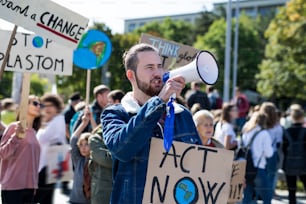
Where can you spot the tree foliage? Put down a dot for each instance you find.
(249, 52)
(175, 30)
(283, 71)
(203, 23)
(6, 84)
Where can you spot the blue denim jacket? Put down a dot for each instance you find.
(127, 131)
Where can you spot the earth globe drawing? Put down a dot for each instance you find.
(185, 191)
(38, 41)
(93, 51)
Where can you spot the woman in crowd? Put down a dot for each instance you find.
(19, 157)
(52, 132)
(276, 133)
(224, 131)
(261, 149)
(204, 122)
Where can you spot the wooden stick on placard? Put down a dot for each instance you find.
(8, 51)
(88, 86)
(23, 106)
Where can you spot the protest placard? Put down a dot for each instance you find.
(45, 18)
(188, 173)
(173, 54)
(237, 181)
(35, 54)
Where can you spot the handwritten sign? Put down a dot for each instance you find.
(32, 53)
(237, 181)
(187, 174)
(173, 54)
(45, 18)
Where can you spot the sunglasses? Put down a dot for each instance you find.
(36, 103)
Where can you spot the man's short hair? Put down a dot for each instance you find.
(297, 114)
(130, 59)
(76, 96)
(100, 89)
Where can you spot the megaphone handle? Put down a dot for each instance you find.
(173, 96)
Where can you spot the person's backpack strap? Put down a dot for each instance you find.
(250, 143)
(253, 137)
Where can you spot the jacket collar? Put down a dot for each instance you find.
(131, 105)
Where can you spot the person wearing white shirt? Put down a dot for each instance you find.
(261, 149)
(224, 131)
(51, 133)
(270, 110)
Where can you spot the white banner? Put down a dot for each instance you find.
(32, 53)
(45, 18)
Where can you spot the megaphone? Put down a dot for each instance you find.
(204, 67)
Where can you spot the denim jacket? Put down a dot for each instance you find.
(127, 132)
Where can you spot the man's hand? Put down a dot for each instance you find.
(174, 85)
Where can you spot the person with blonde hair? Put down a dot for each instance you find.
(204, 122)
(261, 149)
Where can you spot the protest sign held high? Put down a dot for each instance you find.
(32, 53)
(173, 54)
(45, 18)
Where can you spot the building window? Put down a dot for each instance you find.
(131, 27)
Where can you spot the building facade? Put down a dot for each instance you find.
(254, 8)
(250, 7)
(132, 24)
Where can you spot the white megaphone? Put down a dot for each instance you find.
(204, 67)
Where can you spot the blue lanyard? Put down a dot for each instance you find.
(169, 125)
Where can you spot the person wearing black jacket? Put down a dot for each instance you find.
(294, 148)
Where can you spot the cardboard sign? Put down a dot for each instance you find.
(237, 181)
(45, 18)
(173, 54)
(187, 174)
(59, 163)
(32, 53)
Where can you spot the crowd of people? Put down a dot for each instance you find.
(110, 138)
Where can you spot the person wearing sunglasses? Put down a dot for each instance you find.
(19, 157)
(52, 132)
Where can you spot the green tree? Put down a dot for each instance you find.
(175, 30)
(121, 43)
(249, 53)
(207, 18)
(39, 85)
(6, 84)
(283, 71)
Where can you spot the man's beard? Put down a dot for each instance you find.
(147, 88)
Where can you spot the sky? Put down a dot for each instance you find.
(113, 12)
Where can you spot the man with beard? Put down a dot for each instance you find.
(128, 127)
